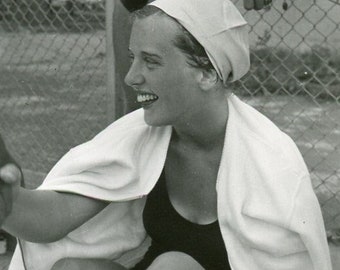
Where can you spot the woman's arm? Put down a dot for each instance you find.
(37, 215)
(47, 216)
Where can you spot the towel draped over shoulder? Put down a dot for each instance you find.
(268, 213)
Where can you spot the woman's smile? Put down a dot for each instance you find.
(145, 99)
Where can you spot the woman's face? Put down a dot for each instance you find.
(165, 84)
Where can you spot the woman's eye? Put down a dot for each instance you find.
(150, 61)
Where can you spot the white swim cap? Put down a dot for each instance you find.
(219, 27)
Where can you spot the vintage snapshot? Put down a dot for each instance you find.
(169, 135)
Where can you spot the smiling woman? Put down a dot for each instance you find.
(212, 182)
(175, 38)
(160, 70)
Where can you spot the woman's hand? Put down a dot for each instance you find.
(10, 177)
(39, 215)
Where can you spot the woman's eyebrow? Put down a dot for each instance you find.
(145, 53)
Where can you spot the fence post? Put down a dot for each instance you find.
(110, 62)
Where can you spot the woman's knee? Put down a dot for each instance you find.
(86, 264)
(65, 263)
(175, 261)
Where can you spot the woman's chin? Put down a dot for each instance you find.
(154, 120)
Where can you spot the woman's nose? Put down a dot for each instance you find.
(134, 77)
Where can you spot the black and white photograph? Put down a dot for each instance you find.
(169, 134)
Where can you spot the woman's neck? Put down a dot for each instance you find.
(204, 129)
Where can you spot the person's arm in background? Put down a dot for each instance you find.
(37, 215)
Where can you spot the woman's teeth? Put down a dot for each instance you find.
(146, 97)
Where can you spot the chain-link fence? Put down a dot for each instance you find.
(53, 87)
(53, 77)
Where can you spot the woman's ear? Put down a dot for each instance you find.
(208, 79)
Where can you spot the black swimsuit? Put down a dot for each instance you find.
(169, 231)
